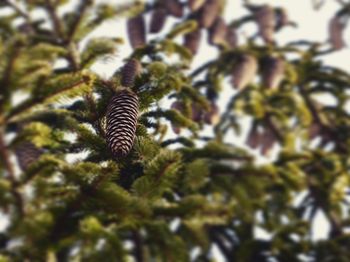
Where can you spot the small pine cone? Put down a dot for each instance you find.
(158, 19)
(314, 130)
(231, 37)
(197, 113)
(272, 72)
(174, 7)
(208, 13)
(218, 32)
(136, 31)
(192, 41)
(122, 113)
(254, 137)
(244, 71)
(267, 140)
(195, 4)
(266, 20)
(27, 153)
(282, 18)
(336, 28)
(129, 71)
(212, 117)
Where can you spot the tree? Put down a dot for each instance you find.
(96, 169)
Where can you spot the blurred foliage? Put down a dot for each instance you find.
(180, 191)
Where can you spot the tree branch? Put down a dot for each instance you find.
(56, 21)
(5, 157)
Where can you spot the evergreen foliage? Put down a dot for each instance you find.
(103, 178)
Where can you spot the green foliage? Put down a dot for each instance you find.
(177, 194)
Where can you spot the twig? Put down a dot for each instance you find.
(19, 11)
(310, 105)
(273, 128)
(201, 68)
(57, 23)
(138, 247)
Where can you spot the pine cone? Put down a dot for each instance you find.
(336, 28)
(208, 13)
(212, 116)
(218, 32)
(244, 71)
(192, 41)
(195, 4)
(122, 113)
(231, 37)
(129, 71)
(272, 72)
(266, 20)
(136, 31)
(27, 153)
(174, 7)
(254, 137)
(282, 18)
(267, 140)
(158, 19)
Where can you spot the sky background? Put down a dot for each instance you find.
(312, 25)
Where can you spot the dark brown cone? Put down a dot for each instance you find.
(218, 32)
(231, 37)
(266, 21)
(136, 31)
(336, 28)
(244, 71)
(158, 20)
(194, 5)
(27, 153)
(272, 72)
(122, 114)
(192, 41)
(314, 130)
(282, 18)
(129, 71)
(174, 7)
(212, 116)
(208, 13)
(267, 140)
(197, 113)
(254, 137)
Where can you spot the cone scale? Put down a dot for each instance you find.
(122, 114)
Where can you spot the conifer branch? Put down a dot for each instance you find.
(202, 68)
(138, 246)
(311, 106)
(83, 7)
(56, 21)
(34, 102)
(19, 11)
(6, 76)
(220, 243)
(273, 127)
(5, 157)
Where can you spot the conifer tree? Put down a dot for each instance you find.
(122, 169)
